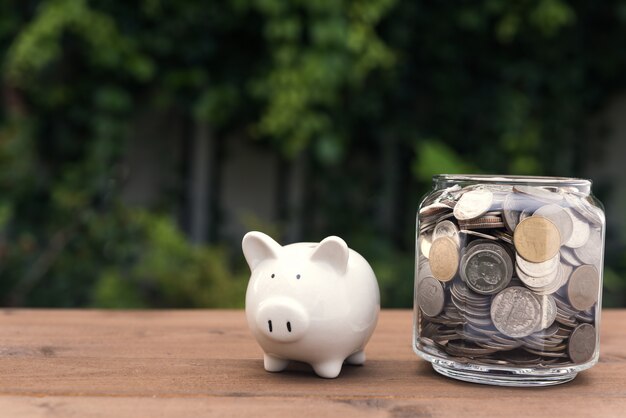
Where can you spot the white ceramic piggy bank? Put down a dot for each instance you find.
(312, 302)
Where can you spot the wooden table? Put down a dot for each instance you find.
(58, 363)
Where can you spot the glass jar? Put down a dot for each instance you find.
(508, 278)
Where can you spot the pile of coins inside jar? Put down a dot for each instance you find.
(509, 274)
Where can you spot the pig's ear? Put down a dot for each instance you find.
(334, 252)
(258, 247)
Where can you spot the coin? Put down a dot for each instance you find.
(534, 282)
(536, 239)
(583, 287)
(564, 307)
(569, 257)
(464, 349)
(582, 317)
(433, 209)
(551, 330)
(539, 193)
(526, 213)
(515, 312)
(473, 204)
(447, 229)
(430, 296)
(486, 271)
(563, 273)
(482, 222)
(511, 208)
(585, 209)
(504, 236)
(560, 218)
(548, 311)
(425, 242)
(478, 234)
(476, 242)
(423, 270)
(591, 252)
(580, 231)
(582, 343)
(444, 258)
(545, 353)
(521, 358)
(538, 269)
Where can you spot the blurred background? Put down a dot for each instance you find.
(139, 140)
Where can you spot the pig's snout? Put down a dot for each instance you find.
(282, 319)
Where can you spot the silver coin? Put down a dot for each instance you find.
(426, 227)
(521, 358)
(504, 236)
(485, 244)
(511, 208)
(568, 256)
(473, 204)
(565, 273)
(494, 213)
(433, 197)
(478, 234)
(564, 307)
(476, 242)
(548, 312)
(430, 296)
(560, 218)
(545, 353)
(591, 252)
(538, 269)
(486, 272)
(550, 331)
(586, 209)
(448, 193)
(497, 202)
(464, 349)
(425, 242)
(445, 216)
(483, 222)
(585, 318)
(448, 202)
(433, 209)
(515, 312)
(582, 343)
(423, 271)
(583, 287)
(447, 229)
(539, 193)
(526, 213)
(580, 232)
(536, 282)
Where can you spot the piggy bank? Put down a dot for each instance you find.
(312, 302)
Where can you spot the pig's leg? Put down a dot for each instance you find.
(274, 364)
(329, 369)
(357, 358)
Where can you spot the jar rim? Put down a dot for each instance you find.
(514, 179)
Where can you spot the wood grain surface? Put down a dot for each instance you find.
(62, 363)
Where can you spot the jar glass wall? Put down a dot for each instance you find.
(508, 278)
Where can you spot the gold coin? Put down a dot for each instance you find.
(444, 258)
(536, 239)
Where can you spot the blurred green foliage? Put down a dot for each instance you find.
(480, 86)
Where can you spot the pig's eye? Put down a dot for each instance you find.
(298, 276)
(272, 276)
